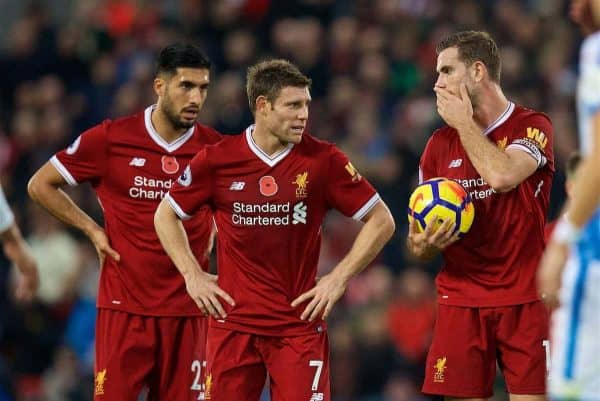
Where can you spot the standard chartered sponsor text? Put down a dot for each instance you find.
(476, 183)
(149, 188)
(265, 214)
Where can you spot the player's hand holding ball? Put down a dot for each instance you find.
(440, 212)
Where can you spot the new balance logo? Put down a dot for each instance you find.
(237, 186)
(137, 162)
(455, 163)
(300, 211)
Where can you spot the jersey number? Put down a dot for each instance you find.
(197, 384)
(319, 365)
(546, 345)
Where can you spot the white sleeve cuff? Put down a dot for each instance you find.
(7, 218)
(366, 208)
(176, 208)
(62, 170)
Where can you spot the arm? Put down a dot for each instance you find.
(501, 169)
(45, 188)
(586, 188)
(583, 204)
(18, 252)
(378, 229)
(201, 286)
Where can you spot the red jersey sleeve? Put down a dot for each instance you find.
(427, 168)
(194, 188)
(85, 159)
(534, 136)
(347, 190)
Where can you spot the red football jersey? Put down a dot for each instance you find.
(268, 212)
(495, 263)
(132, 168)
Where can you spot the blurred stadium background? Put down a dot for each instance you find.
(68, 64)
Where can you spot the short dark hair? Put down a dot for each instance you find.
(267, 78)
(475, 46)
(572, 164)
(179, 55)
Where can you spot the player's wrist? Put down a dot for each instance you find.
(192, 274)
(423, 252)
(566, 232)
(344, 276)
(417, 247)
(466, 127)
(90, 228)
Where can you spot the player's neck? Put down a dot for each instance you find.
(266, 141)
(492, 103)
(163, 126)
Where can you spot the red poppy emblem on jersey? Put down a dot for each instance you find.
(268, 186)
(169, 164)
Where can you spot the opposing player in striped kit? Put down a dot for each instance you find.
(569, 275)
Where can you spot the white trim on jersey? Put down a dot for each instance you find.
(7, 218)
(500, 120)
(270, 160)
(539, 158)
(62, 170)
(169, 147)
(176, 208)
(366, 208)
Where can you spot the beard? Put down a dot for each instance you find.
(174, 118)
(473, 97)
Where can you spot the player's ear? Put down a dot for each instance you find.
(262, 104)
(159, 86)
(478, 71)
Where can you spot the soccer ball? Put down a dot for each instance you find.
(444, 198)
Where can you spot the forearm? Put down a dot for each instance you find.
(370, 240)
(586, 187)
(174, 240)
(491, 162)
(16, 249)
(59, 204)
(586, 190)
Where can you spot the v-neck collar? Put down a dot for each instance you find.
(269, 160)
(500, 120)
(168, 146)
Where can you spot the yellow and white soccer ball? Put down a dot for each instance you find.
(444, 198)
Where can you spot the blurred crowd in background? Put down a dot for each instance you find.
(67, 65)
